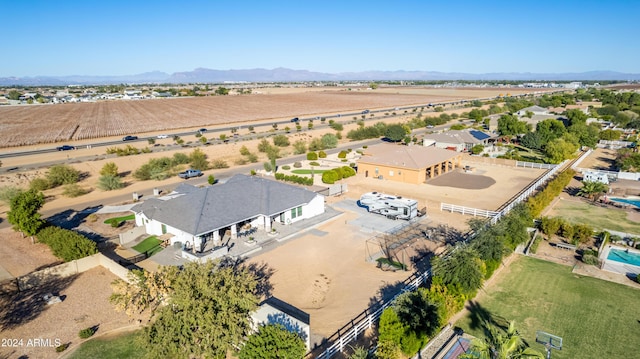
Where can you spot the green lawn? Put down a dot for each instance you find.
(150, 244)
(307, 172)
(114, 347)
(120, 219)
(595, 216)
(596, 319)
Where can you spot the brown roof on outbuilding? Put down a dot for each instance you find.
(410, 157)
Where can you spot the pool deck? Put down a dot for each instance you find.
(618, 267)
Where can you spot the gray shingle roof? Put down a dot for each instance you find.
(202, 210)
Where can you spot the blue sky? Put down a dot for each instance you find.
(129, 37)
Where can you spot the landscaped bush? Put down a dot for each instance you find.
(62, 347)
(67, 244)
(329, 177)
(312, 156)
(322, 154)
(314, 163)
(307, 181)
(86, 333)
(590, 259)
(541, 200)
(297, 165)
(348, 171)
(285, 167)
(342, 154)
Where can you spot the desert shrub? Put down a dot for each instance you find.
(244, 151)
(285, 167)
(252, 157)
(7, 193)
(218, 164)
(268, 167)
(252, 172)
(322, 154)
(365, 147)
(299, 147)
(590, 259)
(180, 158)
(157, 168)
(109, 168)
(62, 347)
(336, 126)
(329, 177)
(86, 333)
(110, 183)
(74, 190)
(281, 140)
(342, 154)
(198, 160)
(264, 145)
(92, 218)
(67, 244)
(329, 141)
(39, 184)
(312, 156)
(297, 164)
(352, 164)
(316, 145)
(62, 174)
(313, 163)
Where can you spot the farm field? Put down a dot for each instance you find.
(595, 318)
(34, 124)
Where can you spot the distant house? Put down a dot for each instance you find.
(195, 216)
(457, 140)
(408, 164)
(536, 110)
(595, 176)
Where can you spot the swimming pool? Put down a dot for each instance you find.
(631, 201)
(622, 256)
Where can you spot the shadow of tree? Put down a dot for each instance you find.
(26, 305)
(262, 272)
(384, 294)
(480, 317)
(70, 219)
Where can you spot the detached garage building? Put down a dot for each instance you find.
(408, 164)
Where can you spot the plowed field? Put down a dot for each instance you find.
(33, 124)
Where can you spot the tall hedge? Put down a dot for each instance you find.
(543, 198)
(66, 244)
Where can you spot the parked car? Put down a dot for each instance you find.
(65, 148)
(129, 138)
(295, 119)
(162, 136)
(202, 130)
(190, 173)
(365, 112)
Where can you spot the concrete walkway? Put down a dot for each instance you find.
(116, 209)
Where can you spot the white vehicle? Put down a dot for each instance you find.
(162, 136)
(393, 207)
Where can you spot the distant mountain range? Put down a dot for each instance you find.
(201, 75)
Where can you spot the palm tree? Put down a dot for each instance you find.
(501, 345)
(592, 189)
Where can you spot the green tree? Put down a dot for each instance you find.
(499, 344)
(559, 150)
(550, 129)
(222, 91)
(110, 183)
(144, 290)
(477, 149)
(610, 135)
(23, 213)
(593, 190)
(273, 341)
(329, 140)
(395, 133)
(62, 174)
(417, 313)
(462, 268)
(244, 151)
(109, 169)
(390, 333)
(207, 314)
(316, 145)
(14, 95)
(198, 160)
(550, 225)
(509, 125)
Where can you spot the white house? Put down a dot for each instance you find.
(196, 215)
(458, 140)
(536, 110)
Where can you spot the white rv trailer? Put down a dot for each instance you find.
(394, 207)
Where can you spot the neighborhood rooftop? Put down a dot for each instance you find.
(414, 157)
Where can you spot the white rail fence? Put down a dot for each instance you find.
(545, 166)
(476, 212)
(365, 321)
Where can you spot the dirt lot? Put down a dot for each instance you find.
(26, 316)
(33, 124)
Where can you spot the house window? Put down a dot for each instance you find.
(293, 213)
(296, 212)
(376, 170)
(299, 211)
(391, 173)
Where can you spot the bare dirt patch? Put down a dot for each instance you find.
(19, 256)
(85, 305)
(460, 179)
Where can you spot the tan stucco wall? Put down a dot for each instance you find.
(399, 174)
